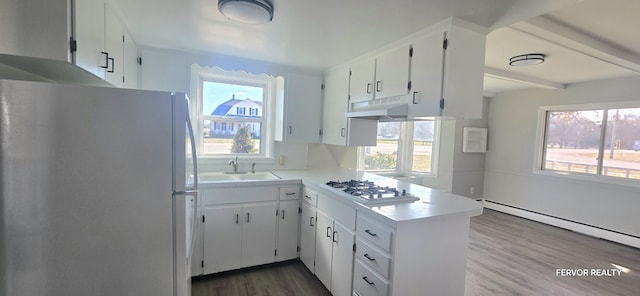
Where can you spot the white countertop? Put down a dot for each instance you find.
(432, 204)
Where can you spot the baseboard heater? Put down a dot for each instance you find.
(587, 229)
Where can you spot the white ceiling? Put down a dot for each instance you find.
(584, 40)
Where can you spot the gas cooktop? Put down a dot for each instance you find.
(368, 193)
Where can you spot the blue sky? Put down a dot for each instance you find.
(215, 93)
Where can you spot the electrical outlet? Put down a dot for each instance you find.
(472, 190)
(282, 159)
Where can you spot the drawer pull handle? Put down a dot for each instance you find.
(290, 193)
(282, 215)
(370, 233)
(328, 231)
(369, 257)
(311, 221)
(368, 281)
(237, 219)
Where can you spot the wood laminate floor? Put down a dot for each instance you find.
(507, 255)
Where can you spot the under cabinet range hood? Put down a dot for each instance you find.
(395, 112)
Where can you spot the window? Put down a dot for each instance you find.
(592, 141)
(225, 127)
(402, 148)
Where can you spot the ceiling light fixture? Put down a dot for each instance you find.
(527, 59)
(252, 12)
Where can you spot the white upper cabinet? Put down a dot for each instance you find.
(35, 28)
(89, 27)
(427, 74)
(392, 73)
(86, 33)
(361, 82)
(447, 72)
(385, 76)
(114, 47)
(300, 111)
(130, 59)
(336, 128)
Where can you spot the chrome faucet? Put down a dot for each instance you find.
(234, 163)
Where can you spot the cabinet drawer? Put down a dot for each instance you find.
(374, 232)
(287, 193)
(310, 197)
(367, 282)
(374, 258)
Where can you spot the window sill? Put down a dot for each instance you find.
(631, 183)
(241, 159)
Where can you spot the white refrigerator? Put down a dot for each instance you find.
(93, 192)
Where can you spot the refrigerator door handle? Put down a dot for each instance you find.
(193, 151)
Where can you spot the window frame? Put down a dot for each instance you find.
(404, 163)
(267, 121)
(540, 142)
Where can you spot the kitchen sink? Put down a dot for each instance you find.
(230, 177)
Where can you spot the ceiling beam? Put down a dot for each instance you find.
(520, 78)
(553, 31)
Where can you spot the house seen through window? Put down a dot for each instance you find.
(227, 126)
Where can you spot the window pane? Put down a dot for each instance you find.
(226, 105)
(571, 141)
(423, 135)
(384, 156)
(233, 100)
(622, 144)
(233, 137)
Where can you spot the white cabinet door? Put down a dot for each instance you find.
(288, 225)
(308, 236)
(130, 57)
(114, 45)
(258, 233)
(361, 83)
(426, 75)
(342, 260)
(336, 94)
(89, 29)
(222, 238)
(324, 246)
(197, 255)
(303, 104)
(392, 73)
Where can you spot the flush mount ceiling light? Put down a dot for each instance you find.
(527, 59)
(252, 12)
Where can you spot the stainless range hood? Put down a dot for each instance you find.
(398, 112)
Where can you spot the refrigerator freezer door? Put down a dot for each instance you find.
(86, 192)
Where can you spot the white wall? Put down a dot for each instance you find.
(509, 177)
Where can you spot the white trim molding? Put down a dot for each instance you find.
(565, 224)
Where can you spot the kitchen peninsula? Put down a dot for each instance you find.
(406, 248)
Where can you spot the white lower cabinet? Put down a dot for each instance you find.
(334, 243)
(288, 225)
(247, 226)
(308, 229)
(239, 236)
